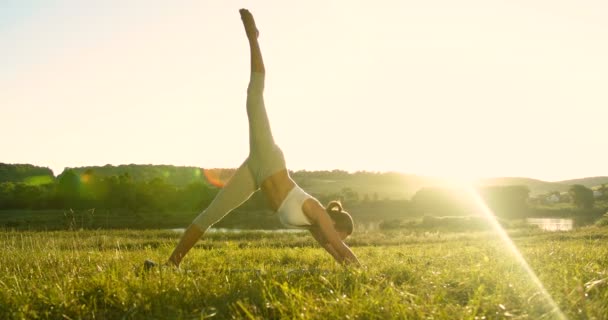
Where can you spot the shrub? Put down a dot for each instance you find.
(603, 221)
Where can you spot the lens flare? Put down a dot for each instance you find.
(85, 178)
(197, 172)
(489, 215)
(217, 177)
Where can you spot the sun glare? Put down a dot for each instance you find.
(504, 237)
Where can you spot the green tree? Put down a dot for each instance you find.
(25, 173)
(89, 189)
(26, 196)
(126, 192)
(195, 196)
(7, 195)
(68, 189)
(156, 194)
(604, 190)
(582, 197)
(116, 192)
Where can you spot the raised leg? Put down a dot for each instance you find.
(257, 64)
(265, 157)
(260, 135)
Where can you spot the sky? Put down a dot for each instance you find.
(466, 89)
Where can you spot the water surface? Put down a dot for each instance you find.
(552, 224)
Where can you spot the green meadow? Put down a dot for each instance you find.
(407, 274)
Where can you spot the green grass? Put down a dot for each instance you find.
(43, 220)
(407, 275)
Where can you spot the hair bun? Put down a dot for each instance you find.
(334, 206)
(342, 220)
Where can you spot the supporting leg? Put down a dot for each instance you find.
(238, 189)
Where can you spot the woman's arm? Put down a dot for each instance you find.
(257, 64)
(316, 233)
(327, 236)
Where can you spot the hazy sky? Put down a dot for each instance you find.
(441, 87)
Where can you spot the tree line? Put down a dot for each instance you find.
(89, 190)
(151, 188)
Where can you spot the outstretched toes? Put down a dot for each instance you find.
(249, 23)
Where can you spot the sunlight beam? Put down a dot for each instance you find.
(487, 212)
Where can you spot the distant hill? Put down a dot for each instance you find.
(535, 186)
(398, 186)
(25, 173)
(539, 186)
(373, 185)
(587, 182)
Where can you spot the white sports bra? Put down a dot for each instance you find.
(290, 212)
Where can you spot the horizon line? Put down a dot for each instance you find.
(56, 172)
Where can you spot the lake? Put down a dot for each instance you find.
(552, 224)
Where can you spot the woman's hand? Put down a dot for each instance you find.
(249, 24)
(324, 232)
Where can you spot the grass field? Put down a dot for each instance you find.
(407, 275)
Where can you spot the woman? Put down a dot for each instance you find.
(265, 169)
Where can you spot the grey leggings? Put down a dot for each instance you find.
(265, 158)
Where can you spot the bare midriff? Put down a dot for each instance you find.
(276, 187)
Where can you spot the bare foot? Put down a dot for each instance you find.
(249, 24)
(149, 264)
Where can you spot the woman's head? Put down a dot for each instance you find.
(343, 222)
